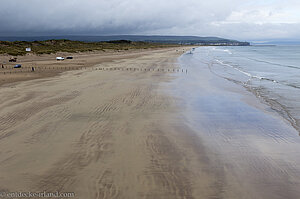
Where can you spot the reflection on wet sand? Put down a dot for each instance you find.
(256, 150)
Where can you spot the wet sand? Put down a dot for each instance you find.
(144, 134)
(252, 148)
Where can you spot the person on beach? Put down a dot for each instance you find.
(32, 69)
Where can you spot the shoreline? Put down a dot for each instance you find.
(279, 108)
(282, 108)
(276, 106)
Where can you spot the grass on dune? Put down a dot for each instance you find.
(53, 46)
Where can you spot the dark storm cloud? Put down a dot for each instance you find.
(230, 18)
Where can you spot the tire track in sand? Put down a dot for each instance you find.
(165, 168)
(13, 118)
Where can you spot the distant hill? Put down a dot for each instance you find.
(155, 39)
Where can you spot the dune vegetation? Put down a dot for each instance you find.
(53, 46)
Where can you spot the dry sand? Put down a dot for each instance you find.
(102, 134)
(47, 66)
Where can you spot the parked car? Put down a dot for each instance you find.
(69, 57)
(13, 60)
(60, 58)
(18, 66)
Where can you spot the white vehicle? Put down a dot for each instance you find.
(60, 58)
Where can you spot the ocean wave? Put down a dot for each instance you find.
(272, 63)
(231, 66)
(228, 51)
(223, 50)
(257, 76)
(246, 73)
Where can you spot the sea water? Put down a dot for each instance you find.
(270, 72)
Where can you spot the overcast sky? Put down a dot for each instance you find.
(235, 19)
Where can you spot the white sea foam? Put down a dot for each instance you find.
(235, 68)
(223, 50)
(245, 73)
(228, 51)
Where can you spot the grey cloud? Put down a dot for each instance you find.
(191, 17)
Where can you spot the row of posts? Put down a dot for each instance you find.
(33, 69)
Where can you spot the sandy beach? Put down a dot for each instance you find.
(137, 133)
(100, 134)
(46, 65)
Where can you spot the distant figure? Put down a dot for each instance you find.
(32, 69)
(2, 66)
